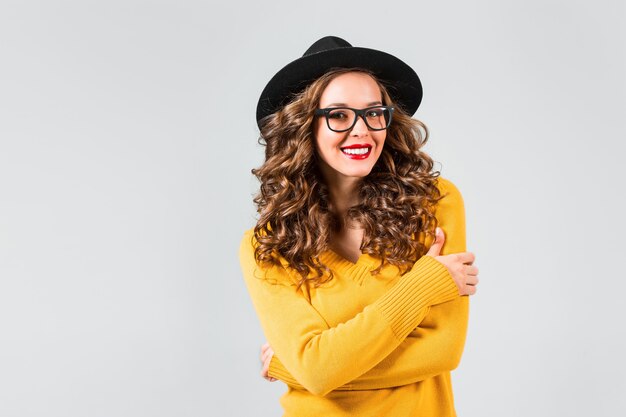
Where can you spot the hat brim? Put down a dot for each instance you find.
(402, 82)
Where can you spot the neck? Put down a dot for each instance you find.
(343, 195)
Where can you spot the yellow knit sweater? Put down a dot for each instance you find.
(365, 345)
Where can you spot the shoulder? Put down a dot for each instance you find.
(247, 249)
(247, 240)
(247, 246)
(271, 273)
(450, 214)
(451, 196)
(448, 189)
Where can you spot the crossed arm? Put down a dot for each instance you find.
(394, 346)
(421, 355)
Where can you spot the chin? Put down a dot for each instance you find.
(361, 173)
(338, 170)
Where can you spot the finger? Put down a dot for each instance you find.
(263, 353)
(471, 270)
(435, 248)
(265, 350)
(466, 257)
(469, 289)
(472, 280)
(265, 371)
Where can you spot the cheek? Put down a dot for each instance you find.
(380, 138)
(325, 139)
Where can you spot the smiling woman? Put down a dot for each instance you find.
(357, 266)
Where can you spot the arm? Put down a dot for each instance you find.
(423, 354)
(322, 358)
(432, 348)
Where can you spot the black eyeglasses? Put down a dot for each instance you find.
(342, 119)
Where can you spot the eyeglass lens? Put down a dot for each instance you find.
(376, 118)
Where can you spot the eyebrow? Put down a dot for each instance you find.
(373, 103)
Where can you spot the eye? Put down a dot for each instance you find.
(374, 113)
(338, 115)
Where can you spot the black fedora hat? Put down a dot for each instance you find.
(330, 52)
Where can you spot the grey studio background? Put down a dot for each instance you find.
(127, 135)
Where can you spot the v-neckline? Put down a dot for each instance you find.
(363, 260)
(343, 258)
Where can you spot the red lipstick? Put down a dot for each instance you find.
(357, 151)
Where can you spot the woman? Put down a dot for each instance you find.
(363, 305)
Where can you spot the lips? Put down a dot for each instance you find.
(357, 151)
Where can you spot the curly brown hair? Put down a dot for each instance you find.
(397, 198)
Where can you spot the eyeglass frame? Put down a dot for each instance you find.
(359, 113)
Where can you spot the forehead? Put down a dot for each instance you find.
(353, 89)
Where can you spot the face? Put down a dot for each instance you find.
(349, 155)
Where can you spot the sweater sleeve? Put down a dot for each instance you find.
(428, 350)
(323, 358)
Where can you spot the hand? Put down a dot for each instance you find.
(460, 265)
(266, 356)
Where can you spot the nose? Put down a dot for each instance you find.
(360, 128)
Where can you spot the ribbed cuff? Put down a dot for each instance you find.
(278, 371)
(427, 283)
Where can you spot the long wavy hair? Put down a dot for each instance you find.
(296, 218)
